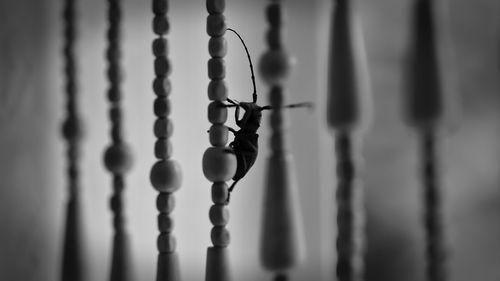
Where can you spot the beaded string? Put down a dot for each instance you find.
(117, 157)
(281, 240)
(72, 131)
(219, 164)
(425, 112)
(166, 174)
(348, 108)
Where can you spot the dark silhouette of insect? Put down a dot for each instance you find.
(245, 144)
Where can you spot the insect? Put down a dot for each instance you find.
(245, 144)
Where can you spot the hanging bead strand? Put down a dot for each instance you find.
(72, 131)
(117, 157)
(425, 113)
(219, 162)
(282, 245)
(166, 176)
(349, 110)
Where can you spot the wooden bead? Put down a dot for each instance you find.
(160, 7)
(216, 6)
(277, 121)
(218, 267)
(219, 192)
(162, 66)
(166, 243)
(160, 25)
(220, 236)
(163, 128)
(275, 66)
(219, 215)
(162, 107)
(217, 113)
(219, 164)
(165, 222)
(115, 75)
(216, 69)
(115, 114)
(165, 202)
(216, 25)
(116, 203)
(277, 141)
(274, 14)
(166, 175)
(72, 128)
(160, 47)
(217, 47)
(118, 158)
(162, 86)
(163, 149)
(273, 38)
(276, 96)
(217, 90)
(218, 135)
(114, 94)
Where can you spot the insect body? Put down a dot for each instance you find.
(245, 144)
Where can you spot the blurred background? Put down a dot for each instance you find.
(32, 184)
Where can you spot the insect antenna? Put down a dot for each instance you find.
(294, 105)
(254, 95)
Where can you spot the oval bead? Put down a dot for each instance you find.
(216, 25)
(273, 38)
(220, 192)
(219, 164)
(217, 113)
(162, 66)
(160, 25)
(217, 90)
(162, 86)
(218, 135)
(163, 149)
(276, 96)
(217, 47)
(163, 128)
(165, 202)
(220, 236)
(219, 215)
(165, 222)
(166, 243)
(160, 7)
(72, 128)
(118, 158)
(166, 175)
(114, 94)
(160, 47)
(274, 14)
(275, 66)
(216, 68)
(115, 114)
(216, 6)
(161, 107)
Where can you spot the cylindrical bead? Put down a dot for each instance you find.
(218, 135)
(163, 128)
(165, 202)
(216, 68)
(162, 86)
(219, 164)
(273, 38)
(217, 47)
(217, 113)
(160, 7)
(163, 149)
(220, 192)
(160, 25)
(165, 222)
(160, 47)
(220, 236)
(166, 243)
(162, 66)
(274, 14)
(217, 90)
(219, 215)
(162, 107)
(166, 175)
(216, 6)
(216, 25)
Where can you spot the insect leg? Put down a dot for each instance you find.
(230, 190)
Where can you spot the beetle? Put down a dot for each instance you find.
(245, 145)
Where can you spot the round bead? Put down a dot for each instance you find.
(162, 86)
(160, 47)
(160, 7)
(116, 203)
(219, 215)
(163, 149)
(216, 25)
(161, 107)
(218, 135)
(166, 175)
(275, 67)
(162, 66)
(220, 191)
(219, 164)
(160, 25)
(217, 47)
(217, 90)
(114, 75)
(216, 69)
(165, 202)
(166, 243)
(220, 236)
(163, 128)
(165, 222)
(118, 158)
(216, 6)
(72, 128)
(273, 38)
(217, 112)
(274, 14)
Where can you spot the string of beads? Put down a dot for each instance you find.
(219, 162)
(72, 131)
(117, 157)
(166, 176)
